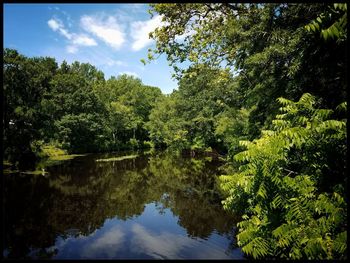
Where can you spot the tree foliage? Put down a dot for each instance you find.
(70, 106)
(265, 44)
(331, 24)
(26, 80)
(290, 186)
(188, 117)
(243, 57)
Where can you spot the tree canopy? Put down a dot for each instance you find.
(266, 85)
(290, 161)
(71, 107)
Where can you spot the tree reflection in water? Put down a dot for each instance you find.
(79, 196)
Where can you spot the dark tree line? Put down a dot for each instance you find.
(48, 107)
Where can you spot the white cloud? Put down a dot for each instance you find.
(57, 25)
(101, 58)
(167, 245)
(75, 40)
(108, 244)
(129, 73)
(160, 246)
(99, 244)
(65, 33)
(135, 8)
(54, 24)
(111, 62)
(107, 30)
(140, 32)
(84, 40)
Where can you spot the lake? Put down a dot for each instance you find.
(149, 206)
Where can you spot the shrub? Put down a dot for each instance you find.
(290, 186)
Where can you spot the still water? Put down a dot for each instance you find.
(154, 206)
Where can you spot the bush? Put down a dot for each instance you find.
(133, 143)
(48, 150)
(148, 144)
(290, 186)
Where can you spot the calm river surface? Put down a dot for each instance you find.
(152, 206)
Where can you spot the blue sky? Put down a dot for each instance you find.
(112, 37)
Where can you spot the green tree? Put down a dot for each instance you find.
(79, 133)
(267, 46)
(232, 126)
(70, 106)
(26, 80)
(187, 118)
(73, 108)
(128, 104)
(165, 125)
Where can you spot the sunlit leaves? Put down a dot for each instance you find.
(300, 221)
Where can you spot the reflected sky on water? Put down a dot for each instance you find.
(154, 206)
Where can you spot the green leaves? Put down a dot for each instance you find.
(297, 155)
(143, 61)
(340, 243)
(72, 104)
(258, 248)
(335, 19)
(287, 212)
(196, 116)
(26, 82)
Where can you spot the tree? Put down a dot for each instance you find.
(265, 44)
(232, 126)
(128, 103)
(71, 108)
(187, 118)
(165, 125)
(26, 80)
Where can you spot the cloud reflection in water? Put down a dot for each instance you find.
(172, 246)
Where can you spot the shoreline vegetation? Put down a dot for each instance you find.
(119, 158)
(265, 90)
(40, 166)
(57, 156)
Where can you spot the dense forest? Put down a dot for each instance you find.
(72, 108)
(265, 86)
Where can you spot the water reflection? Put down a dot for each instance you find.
(154, 206)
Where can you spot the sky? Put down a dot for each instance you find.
(112, 37)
